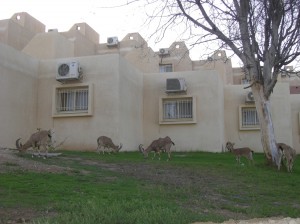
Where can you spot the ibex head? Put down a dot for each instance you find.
(19, 145)
(229, 146)
(142, 150)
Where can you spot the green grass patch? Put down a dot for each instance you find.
(126, 188)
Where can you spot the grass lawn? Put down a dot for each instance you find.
(125, 188)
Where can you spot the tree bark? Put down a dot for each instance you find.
(268, 140)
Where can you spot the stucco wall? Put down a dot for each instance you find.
(49, 46)
(82, 45)
(178, 57)
(21, 28)
(207, 133)
(295, 119)
(131, 106)
(125, 106)
(281, 116)
(18, 95)
(117, 103)
(3, 30)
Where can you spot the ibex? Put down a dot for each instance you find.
(288, 154)
(42, 138)
(158, 146)
(239, 152)
(107, 143)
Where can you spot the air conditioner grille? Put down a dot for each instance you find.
(110, 40)
(249, 97)
(173, 84)
(63, 69)
(162, 51)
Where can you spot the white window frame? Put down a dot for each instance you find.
(71, 91)
(163, 68)
(174, 119)
(248, 110)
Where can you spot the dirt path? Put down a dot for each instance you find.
(9, 161)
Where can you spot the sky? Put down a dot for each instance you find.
(63, 14)
(104, 16)
(107, 17)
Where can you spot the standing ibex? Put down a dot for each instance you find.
(42, 138)
(239, 152)
(158, 146)
(107, 143)
(288, 154)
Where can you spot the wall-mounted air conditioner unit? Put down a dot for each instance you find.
(163, 51)
(249, 97)
(52, 30)
(68, 71)
(176, 85)
(112, 41)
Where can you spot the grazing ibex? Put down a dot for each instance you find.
(158, 146)
(42, 138)
(107, 143)
(288, 154)
(239, 152)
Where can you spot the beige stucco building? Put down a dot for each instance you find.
(81, 88)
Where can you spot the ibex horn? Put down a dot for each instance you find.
(18, 145)
(141, 149)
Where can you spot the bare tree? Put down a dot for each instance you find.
(264, 34)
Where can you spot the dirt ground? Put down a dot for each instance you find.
(9, 161)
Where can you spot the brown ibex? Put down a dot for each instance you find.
(107, 143)
(239, 152)
(158, 146)
(288, 154)
(42, 138)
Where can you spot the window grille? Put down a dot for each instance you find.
(177, 109)
(72, 100)
(249, 117)
(165, 68)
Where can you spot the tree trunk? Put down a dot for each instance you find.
(268, 140)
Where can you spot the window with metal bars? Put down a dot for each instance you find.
(178, 109)
(165, 68)
(248, 118)
(72, 99)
